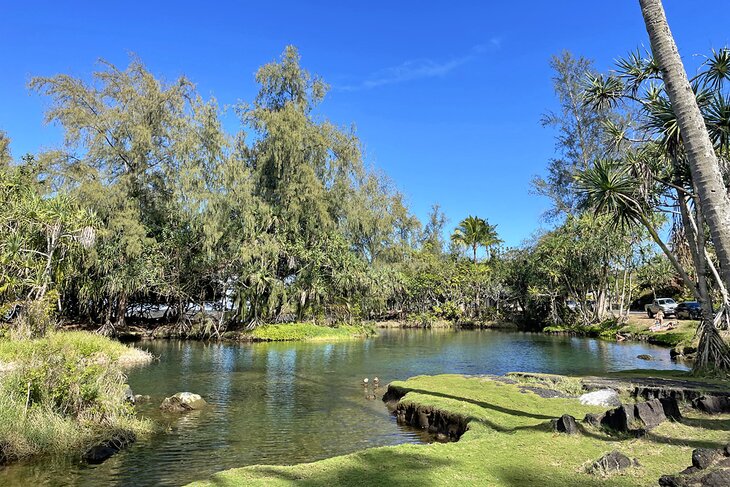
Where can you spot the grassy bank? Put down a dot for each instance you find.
(508, 444)
(443, 324)
(635, 329)
(64, 393)
(305, 331)
(85, 345)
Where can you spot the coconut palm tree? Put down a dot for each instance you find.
(706, 172)
(474, 232)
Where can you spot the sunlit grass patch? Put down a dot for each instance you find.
(308, 331)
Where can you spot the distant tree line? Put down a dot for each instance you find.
(151, 205)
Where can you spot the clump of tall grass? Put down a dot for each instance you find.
(64, 394)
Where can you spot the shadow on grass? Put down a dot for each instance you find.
(523, 475)
(373, 467)
(708, 423)
(666, 440)
(482, 404)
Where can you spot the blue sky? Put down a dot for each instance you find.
(446, 96)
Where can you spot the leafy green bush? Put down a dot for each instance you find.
(424, 318)
(449, 311)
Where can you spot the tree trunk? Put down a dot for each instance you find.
(701, 156)
(696, 242)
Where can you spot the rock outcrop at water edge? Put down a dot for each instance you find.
(99, 453)
(442, 424)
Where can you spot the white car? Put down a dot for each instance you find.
(668, 306)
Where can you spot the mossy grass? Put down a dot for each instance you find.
(508, 443)
(65, 393)
(307, 331)
(572, 386)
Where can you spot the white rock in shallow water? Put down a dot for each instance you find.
(603, 397)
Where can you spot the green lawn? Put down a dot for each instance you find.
(508, 444)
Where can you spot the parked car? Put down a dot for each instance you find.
(689, 310)
(667, 305)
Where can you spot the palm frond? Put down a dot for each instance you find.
(611, 189)
(603, 93)
(718, 69)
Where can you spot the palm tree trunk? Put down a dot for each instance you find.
(698, 146)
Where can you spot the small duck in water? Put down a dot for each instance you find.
(365, 381)
(376, 382)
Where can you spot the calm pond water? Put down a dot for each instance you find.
(284, 403)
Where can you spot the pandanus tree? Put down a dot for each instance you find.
(42, 239)
(673, 161)
(612, 188)
(474, 232)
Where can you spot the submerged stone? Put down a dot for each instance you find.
(99, 453)
(139, 398)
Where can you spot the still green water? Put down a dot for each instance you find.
(284, 403)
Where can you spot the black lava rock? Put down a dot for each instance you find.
(671, 408)
(593, 419)
(712, 404)
(611, 463)
(703, 458)
(565, 424)
(651, 413)
(99, 453)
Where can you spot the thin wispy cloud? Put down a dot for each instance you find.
(420, 69)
